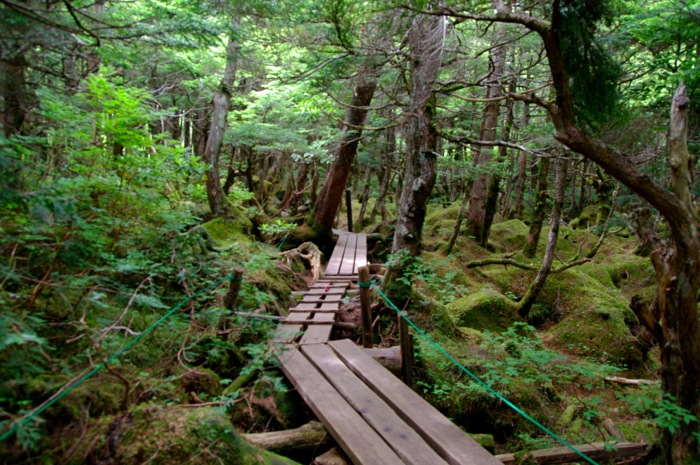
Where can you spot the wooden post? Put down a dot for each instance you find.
(367, 333)
(231, 298)
(348, 200)
(407, 360)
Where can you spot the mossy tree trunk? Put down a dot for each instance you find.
(525, 304)
(218, 205)
(426, 44)
(476, 222)
(533, 235)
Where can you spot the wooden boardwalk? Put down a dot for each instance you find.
(372, 415)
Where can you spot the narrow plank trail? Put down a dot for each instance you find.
(372, 415)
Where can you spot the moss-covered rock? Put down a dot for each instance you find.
(154, 435)
(509, 235)
(226, 232)
(485, 309)
(587, 218)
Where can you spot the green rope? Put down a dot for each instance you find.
(364, 284)
(279, 247)
(482, 383)
(97, 368)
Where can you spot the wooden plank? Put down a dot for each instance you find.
(324, 318)
(445, 437)
(304, 307)
(332, 285)
(333, 266)
(400, 436)
(287, 333)
(317, 334)
(337, 279)
(320, 299)
(596, 451)
(348, 263)
(333, 291)
(329, 306)
(360, 253)
(297, 317)
(334, 309)
(362, 444)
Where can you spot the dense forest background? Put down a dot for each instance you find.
(524, 170)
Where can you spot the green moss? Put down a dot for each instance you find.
(437, 213)
(228, 231)
(200, 436)
(485, 309)
(509, 235)
(587, 218)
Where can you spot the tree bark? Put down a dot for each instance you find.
(476, 222)
(212, 151)
(331, 195)
(533, 235)
(560, 168)
(13, 85)
(426, 42)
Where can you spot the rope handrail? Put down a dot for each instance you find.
(478, 380)
(68, 387)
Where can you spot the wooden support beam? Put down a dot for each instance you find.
(596, 451)
(366, 306)
(407, 356)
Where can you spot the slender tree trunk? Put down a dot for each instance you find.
(385, 173)
(533, 236)
(364, 198)
(212, 151)
(521, 178)
(426, 42)
(458, 224)
(476, 223)
(525, 304)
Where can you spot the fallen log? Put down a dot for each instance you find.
(304, 438)
(596, 451)
(630, 382)
(389, 357)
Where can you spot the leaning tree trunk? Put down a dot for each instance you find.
(331, 195)
(525, 304)
(426, 42)
(212, 151)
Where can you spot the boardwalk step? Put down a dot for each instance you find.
(443, 435)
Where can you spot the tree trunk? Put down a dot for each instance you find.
(560, 169)
(517, 210)
(385, 174)
(533, 235)
(426, 42)
(13, 91)
(364, 198)
(331, 195)
(212, 151)
(476, 216)
(458, 224)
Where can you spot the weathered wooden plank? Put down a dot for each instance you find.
(360, 253)
(321, 291)
(324, 317)
(445, 437)
(316, 334)
(362, 444)
(338, 279)
(596, 451)
(321, 299)
(318, 285)
(400, 436)
(297, 317)
(304, 307)
(333, 266)
(287, 334)
(329, 306)
(334, 308)
(348, 263)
